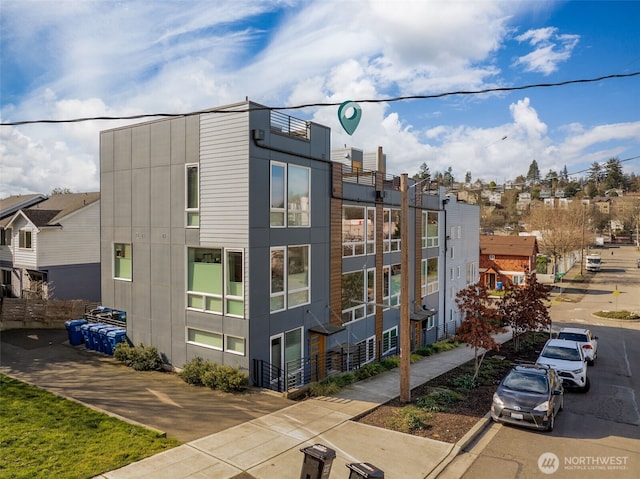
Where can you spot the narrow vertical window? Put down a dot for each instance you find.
(193, 196)
(298, 275)
(299, 198)
(122, 261)
(277, 279)
(278, 198)
(235, 285)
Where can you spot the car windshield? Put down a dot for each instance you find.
(573, 337)
(558, 352)
(531, 383)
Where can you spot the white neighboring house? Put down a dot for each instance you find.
(52, 249)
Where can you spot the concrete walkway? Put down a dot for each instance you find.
(270, 446)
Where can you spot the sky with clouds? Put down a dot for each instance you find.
(74, 58)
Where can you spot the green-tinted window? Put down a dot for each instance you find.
(122, 260)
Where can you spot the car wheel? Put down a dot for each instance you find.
(587, 386)
(552, 421)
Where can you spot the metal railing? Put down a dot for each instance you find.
(308, 370)
(288, 125)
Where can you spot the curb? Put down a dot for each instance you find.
(469, 438)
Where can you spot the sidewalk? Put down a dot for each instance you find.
(270, 446)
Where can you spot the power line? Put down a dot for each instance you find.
(310, 105)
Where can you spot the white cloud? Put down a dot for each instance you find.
(551, 49)
(124, 58)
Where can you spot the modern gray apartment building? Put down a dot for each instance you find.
(236, 235)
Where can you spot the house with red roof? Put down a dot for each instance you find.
(507, 260)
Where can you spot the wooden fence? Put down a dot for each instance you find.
(16, 313)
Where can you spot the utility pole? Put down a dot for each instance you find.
(405, 322)
(584, 207)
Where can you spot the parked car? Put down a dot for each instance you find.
(567, 358)
(588, 341)
(529, 396)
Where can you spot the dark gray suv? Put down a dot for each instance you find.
(530, 395)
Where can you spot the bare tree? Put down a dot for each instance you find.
(480, 322)
(561, 229)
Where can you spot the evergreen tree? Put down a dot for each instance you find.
(533, 175)
(614, 176)
(423, 174)
(467, 177)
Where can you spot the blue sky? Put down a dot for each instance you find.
(70, 59)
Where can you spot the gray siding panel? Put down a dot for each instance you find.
(224, 195)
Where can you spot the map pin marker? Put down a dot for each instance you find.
(354, 112)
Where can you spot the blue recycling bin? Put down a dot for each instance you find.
(94, 337)
(103, 347)
(84, 330)
(499, 285)
(73, 330)
(115, 337)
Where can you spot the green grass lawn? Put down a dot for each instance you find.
(45, 436)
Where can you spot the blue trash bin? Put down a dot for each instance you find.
(84, 330)
(115, 337)
(94, 337)
(104, 342)
(73, 330)
(499, 285)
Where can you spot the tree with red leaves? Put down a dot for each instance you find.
(525, 308)
(481, 321)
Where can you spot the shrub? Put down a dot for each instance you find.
(390, 362)
(368, 370)
(409, 419)
(464, 382)
(618, 314)
(326, 387)
(229, 379)
(439, 400)
(140, 357)
(193, 371)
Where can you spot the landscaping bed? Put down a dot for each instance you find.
(448, 406)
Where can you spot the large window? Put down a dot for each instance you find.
(24, 239)
(358, 294)
(430, 233)
(472, 270)
(290, 269)
(122, 261)
(358, 230)
(366, 351)
(429, 276)
(217, 341)
(391, 283)
(391, 229)
(290, 197)
(214, 286)
(192, 196)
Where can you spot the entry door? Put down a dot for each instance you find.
(286, 354)
(492, 281)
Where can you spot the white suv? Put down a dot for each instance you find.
(588, 341)
(567, 358)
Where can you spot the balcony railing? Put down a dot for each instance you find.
(288, 125)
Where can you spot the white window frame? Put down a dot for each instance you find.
(390, 341)
(191, 211)
(224, 296)
(113, 261)
(430, 241)
(22, 239)
(369, 348)
(288, 209)
(390, 300)
(518, 279)
(230, 350)
(286, 292)
(368, 243)
(205, 345)
(389, 243)
(366, 307)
